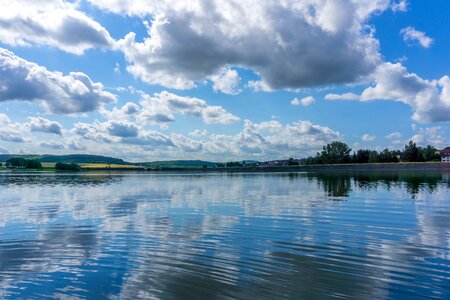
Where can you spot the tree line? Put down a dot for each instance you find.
(20, 162)
(340, 153)
(23, 163)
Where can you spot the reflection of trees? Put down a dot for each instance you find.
(339, 184)
(334, 184)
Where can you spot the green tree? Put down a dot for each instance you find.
(411, 152)
(17, 162)
(361, 156)
(373, 157)
(292, 162)
(20, 162)
(335, 153)
(67, 167)
(33, 164)
(430, 153)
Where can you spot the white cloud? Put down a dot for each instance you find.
(12, 132)
(290, 44)
(161, 107)
(401, 6)
(226, 81)
(394, 135)
(52, 145)
(26, 81)
(129, 110)
(54, 22)
(76, 145)
(346, 96)
(434, 136)
(411, 35)
(368, 138)
(265, 140)
(259, 86)
(186, 144)
(122, 129)
(40, 124)
(117, 68)
(112, 132)
(197, 133)
(304, 101)
(429, 99)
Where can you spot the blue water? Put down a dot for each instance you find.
(225, 236)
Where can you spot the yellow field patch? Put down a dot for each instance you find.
(108, 166)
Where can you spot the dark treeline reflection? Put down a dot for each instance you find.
(339, 184)
(55, 179)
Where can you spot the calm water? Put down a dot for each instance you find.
(225, 236)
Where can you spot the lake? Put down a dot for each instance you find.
(225, 236)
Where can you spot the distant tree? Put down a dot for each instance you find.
(361, 156)
(292, 162)
(67, 167)
(33, 164)
(430, 153)
(335, 153)
(17, 162)
(233, 164)
(20, 162)
(411, 152)
(1, 165)
(373, 157)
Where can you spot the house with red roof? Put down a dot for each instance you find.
(445, 154)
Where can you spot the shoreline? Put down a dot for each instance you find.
(426, 166)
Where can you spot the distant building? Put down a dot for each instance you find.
(445, 155)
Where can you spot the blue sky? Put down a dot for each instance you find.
(222, 80)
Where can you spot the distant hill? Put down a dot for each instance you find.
(72, 158)
(180, 164)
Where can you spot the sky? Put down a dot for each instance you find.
(222, 79)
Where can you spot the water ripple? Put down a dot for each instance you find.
(225, 236)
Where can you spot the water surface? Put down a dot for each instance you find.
(225, 236)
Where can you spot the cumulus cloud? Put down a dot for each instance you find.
(26, 81)
(122, 129)
(121, 132)
(197, 133)
(289, 44)
(40, 124)
(429, 99)
(265, 140)
(345, 96)
(368, 138)
(430, 136)
(186, 144)
(161, 107)
(401, 6)
(259, 86)
(271, 139)
(127, 111)
(413, 36)
(76, 145)
(12, 132)
(52, 145)
(226, 81)
(307, 101)
(54, 23)
(394, 135)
